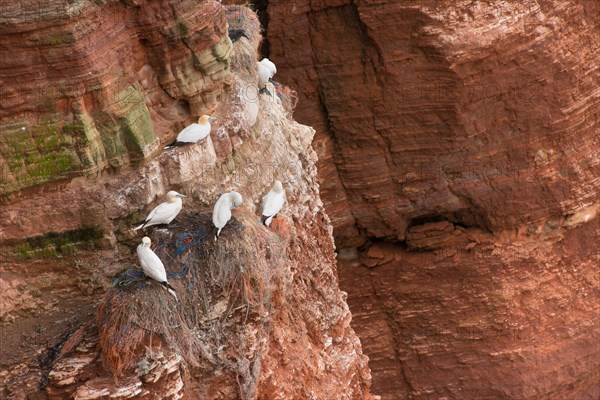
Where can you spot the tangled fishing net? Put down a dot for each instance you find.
(224, 288)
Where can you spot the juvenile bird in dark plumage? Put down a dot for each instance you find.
(236, 34)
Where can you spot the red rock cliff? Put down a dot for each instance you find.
(466, 135)
(260, 313)
(423, 107)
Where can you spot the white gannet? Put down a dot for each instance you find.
(272, 203)
(194, 132)
(152, 266)
(222, 209)
(266, 71)
(165, 212)
(270, 65)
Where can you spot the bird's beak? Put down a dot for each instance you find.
(181, 195)
(212, 118)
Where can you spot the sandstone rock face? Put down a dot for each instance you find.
(66, 240)
(465, 113)
(459, 147)
(490, 319)
(86, 88)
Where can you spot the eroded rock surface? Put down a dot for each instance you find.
(88, 87)
(467, 133)
(487, 320)
(67, 241)
(483, 114)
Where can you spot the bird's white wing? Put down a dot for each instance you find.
(152, 265)
(272, 203)
(221, 212)
(193, 133)
(263, 75)
(163, 213)
(140, 251)
(152, 213)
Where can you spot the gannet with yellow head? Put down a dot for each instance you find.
(165, 212)
(194, 132)
(152, 266)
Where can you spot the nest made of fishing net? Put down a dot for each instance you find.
(136, 316)
(237, 268)
(215, 280)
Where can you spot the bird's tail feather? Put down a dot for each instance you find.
(168, 286)
(175, 144)
(267, 220)
(170, 289)
(140, 226)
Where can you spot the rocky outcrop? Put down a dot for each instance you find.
(466, 113)
(491, 319)
(232, 323)
(89, 88)
(260, 314)
(459, 151)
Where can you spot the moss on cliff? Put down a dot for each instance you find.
(52, 244)
(59, 38)
(128, 133)
(54, 149)
(214, 61)
(36, 155)
(135, 125)
(88, 142)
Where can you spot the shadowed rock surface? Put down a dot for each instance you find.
(475, 113)
(459, 151)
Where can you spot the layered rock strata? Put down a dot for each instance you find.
(87, 89)
(459, 150)
(261, 307)
(481, 114)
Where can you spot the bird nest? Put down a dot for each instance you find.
(222, 285)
